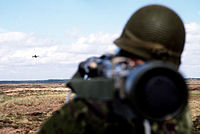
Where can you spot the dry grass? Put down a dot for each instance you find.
(194, 103)
(24, 107)
(23, 111)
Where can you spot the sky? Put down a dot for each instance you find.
(66, 32)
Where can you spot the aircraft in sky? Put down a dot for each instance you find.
(35, 56)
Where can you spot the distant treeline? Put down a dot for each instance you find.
(192, 78)
(53, 81)
(36, 81)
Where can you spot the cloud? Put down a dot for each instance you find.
(17, 48)
(94, 43)
(12, 37)
(21, 39)
(191, 54)
(60, 59)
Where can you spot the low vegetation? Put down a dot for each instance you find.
(24, 107)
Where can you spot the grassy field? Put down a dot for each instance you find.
(24, 107)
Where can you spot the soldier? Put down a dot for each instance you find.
(152, 33)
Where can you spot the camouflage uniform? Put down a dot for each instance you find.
(152, 33)
(81, 116)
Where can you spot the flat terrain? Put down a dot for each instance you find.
(24, 107)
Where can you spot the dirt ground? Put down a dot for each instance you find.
(24, 107)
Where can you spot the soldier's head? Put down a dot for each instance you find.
(154, 32)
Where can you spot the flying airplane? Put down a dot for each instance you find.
(35, 56)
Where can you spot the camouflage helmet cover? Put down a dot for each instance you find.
(154, 32)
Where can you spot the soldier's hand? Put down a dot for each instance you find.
(88, 67)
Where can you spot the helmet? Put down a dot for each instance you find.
(154, 32)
